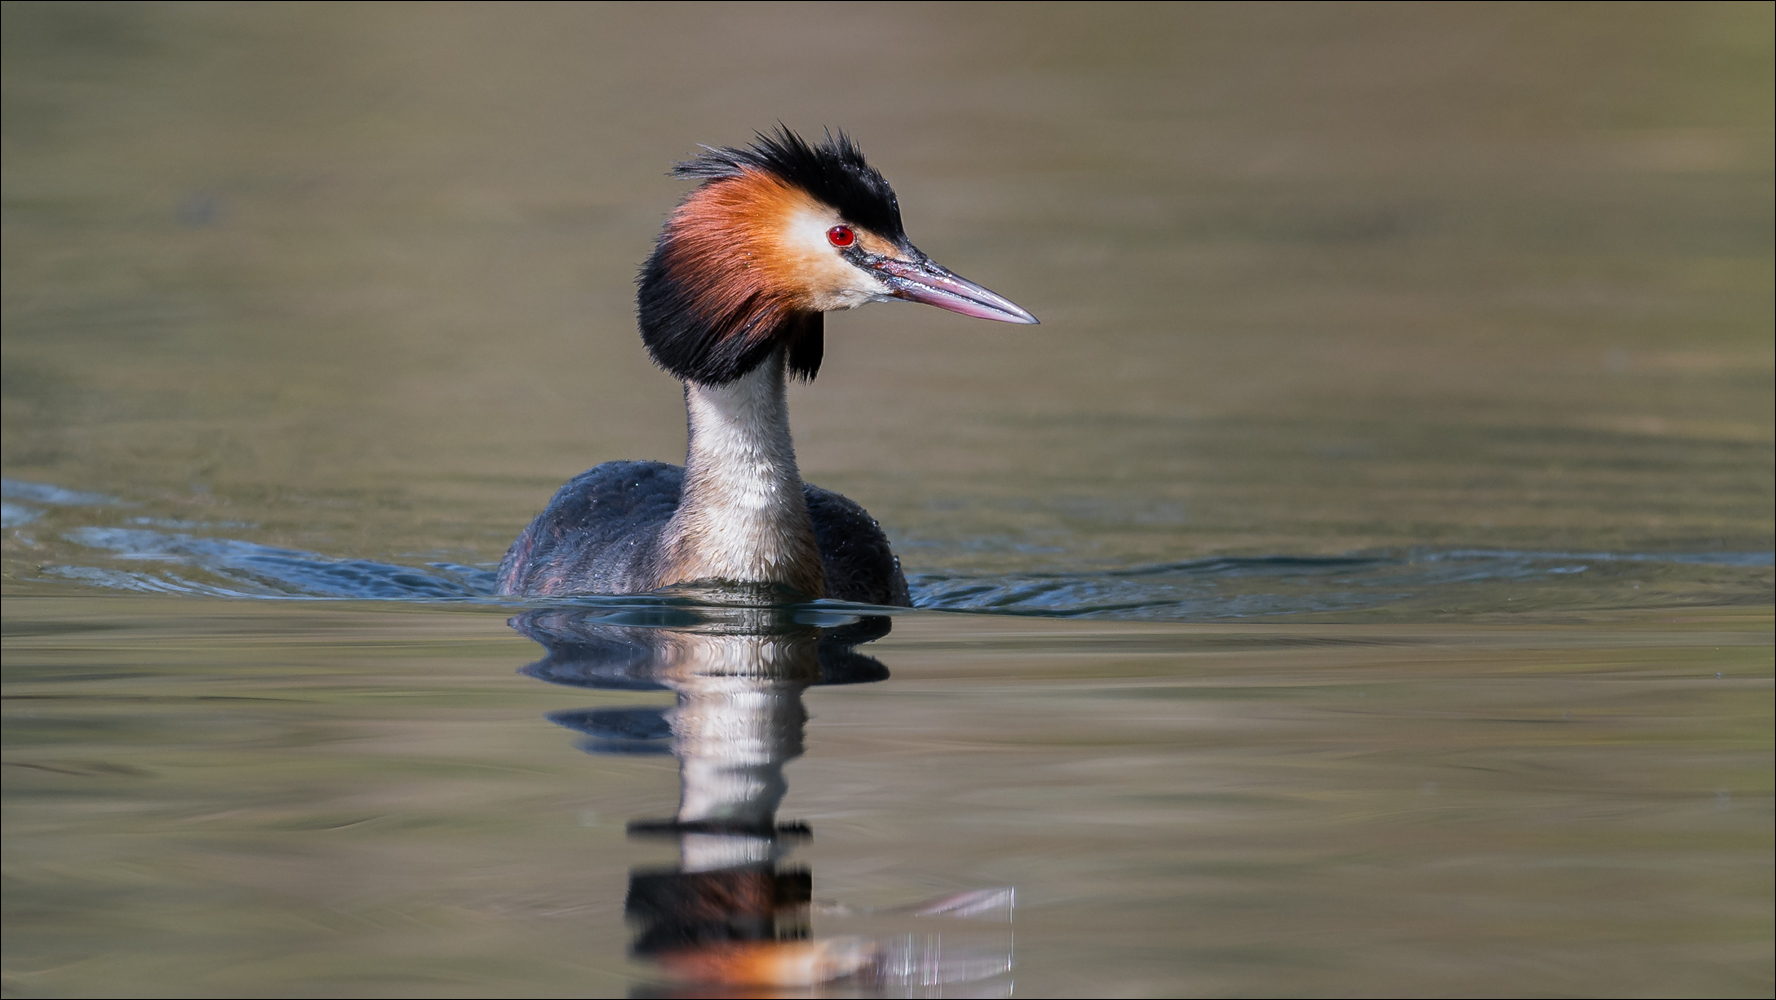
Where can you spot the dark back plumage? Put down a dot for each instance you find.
(602, 531)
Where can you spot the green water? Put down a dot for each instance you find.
(213, 797)
(1367, 563)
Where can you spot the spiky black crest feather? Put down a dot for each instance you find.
(834, 172)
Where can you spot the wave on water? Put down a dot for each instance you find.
(176, 562)
(1466, 580)
(171, 557)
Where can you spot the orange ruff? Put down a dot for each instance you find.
(750, 251)
(771, 963)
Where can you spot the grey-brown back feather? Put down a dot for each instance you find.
(601, 534)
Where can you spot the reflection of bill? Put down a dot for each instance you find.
(728, 912)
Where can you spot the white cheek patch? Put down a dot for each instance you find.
(806, 232)
(832, 282)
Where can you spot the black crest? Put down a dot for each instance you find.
(834, 172)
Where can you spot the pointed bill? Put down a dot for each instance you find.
(924, 280)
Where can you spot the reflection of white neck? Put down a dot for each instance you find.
(742, 517)
(739, 719)
(709, 852)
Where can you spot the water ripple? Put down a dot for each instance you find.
(228, 567)
(145, 557)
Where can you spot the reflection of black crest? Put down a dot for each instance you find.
(677, 910)
(834, 172)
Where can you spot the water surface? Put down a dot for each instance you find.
(1360, 583)
(210, 797)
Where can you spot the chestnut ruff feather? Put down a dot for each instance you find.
(709, 305)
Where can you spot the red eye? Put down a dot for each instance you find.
(841, 236)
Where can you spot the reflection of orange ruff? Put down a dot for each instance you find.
(770, 963)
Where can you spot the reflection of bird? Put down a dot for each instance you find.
(731, 914)
(731, 301)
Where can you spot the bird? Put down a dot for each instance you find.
(731, 302)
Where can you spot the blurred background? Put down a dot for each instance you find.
(357, 279)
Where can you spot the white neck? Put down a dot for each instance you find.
(742, 517)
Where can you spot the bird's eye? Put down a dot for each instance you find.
(841, 236)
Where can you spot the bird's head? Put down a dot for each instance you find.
(779, 233)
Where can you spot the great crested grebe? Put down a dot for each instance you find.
(731, 301)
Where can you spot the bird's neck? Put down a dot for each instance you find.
(742, 517)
